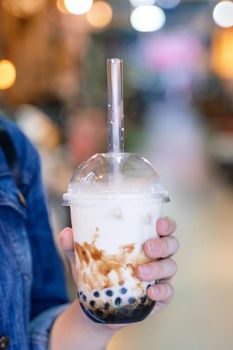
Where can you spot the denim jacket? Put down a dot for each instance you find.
(32, 287)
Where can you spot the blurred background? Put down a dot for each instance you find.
(178, 92)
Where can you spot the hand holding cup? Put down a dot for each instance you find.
(160, 250)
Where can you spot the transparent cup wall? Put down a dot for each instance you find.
(115, 202)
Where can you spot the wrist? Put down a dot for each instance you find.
(73, 330)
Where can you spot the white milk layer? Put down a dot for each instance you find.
(115, 221)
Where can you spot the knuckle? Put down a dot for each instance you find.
(177, 244)
(169, 246)
(170, 267)
(165, 247)
(156, 269)
(160, 247)
(172, 224)
(170, 290)
(173, 267)
(153, 248)
(166, 291)
(172, 244)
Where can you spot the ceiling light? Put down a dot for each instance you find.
(147, 18)
(223, 14)
(100, 15)
(142, 2)
(78, 7)
(7, 74)
(168, 4)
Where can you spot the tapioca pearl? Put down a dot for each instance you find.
(123, 290)
(80, 293)
(92, 303)
(118, 301)
(109, 293)
(106, 306)
(99, 313)
(132, 301)
(84, 297)
(143, 299)
(96, 294)
(82, 306)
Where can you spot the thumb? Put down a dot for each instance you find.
(66, 243)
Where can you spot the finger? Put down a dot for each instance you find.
(66, 239)
(160, 292)
(157, 270)
(165, 226)
(161, 247)
(66, 242)
(159, 305)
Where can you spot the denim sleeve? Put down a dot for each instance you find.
(40, 327)
(48, 289)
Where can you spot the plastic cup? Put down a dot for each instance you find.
(112, 217)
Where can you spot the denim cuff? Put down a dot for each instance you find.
(41, 326)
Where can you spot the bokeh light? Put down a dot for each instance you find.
(222, 54)
(168, 4)
(142, 2)
(78, 7)
(38, 127)
(147, 18)
(7, 74)
(23, 8)
(223, 14)
(100, 15)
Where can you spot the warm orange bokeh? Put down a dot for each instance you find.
(100, 15)
(222, 53)
(7, 74)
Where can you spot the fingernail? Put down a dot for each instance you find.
(153, 248)
(66, 229)
(165, 225)
(63, 233)
(145, 270)
(155, 291)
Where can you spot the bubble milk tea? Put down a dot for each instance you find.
(111, 222)
(109, 234)
(115, 200)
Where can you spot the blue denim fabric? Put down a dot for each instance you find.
(31, 273)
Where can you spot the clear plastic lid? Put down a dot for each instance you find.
(109, 175)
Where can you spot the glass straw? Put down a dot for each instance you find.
(115, 105)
